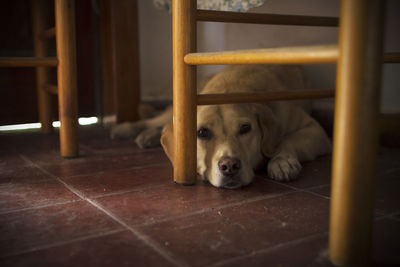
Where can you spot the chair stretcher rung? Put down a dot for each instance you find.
(51, 88)
(28, 62)
(287, 55)
(218, 99)
(257, 18)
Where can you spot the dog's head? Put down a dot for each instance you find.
(232, 140)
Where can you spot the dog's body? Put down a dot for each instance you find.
(233, 140)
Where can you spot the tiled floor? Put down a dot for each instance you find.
(116, 205)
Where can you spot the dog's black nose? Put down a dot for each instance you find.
(229, 166)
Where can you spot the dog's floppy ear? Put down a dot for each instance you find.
(271, 130)
(167, 141)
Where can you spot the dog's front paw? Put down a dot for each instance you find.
(149, 138)
(127, 130)
(283, 168)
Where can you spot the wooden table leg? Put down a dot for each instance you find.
(356, 131)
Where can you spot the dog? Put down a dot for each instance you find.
(234, 140)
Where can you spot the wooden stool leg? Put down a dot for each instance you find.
(41, 22)
(67, 83)
(356, 131)
(184, 91)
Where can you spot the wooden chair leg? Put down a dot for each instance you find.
(41, 22)
(184, 91)
(67, 77)
(356, 131)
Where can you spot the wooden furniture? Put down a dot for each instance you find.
(359, 57)
(120, 58)
(66, 88)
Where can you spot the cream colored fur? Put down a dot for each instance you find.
(281, 132)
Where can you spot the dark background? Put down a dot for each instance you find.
(18, 98)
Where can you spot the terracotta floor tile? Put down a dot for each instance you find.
(22, 174)
(314, 173)
(10, 160)
(114, 181)
(30, 229)
(310, 251)
(169, 201)
(387, 197)
(97, 163)
(98, 140)
(119, 249)
(221, 234)
(16, 196)
(105, 145)
(29, 142)
(313, 251)
(324, 190)
(264, 224)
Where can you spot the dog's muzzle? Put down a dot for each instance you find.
(229, 168)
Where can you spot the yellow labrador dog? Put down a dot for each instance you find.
(234, 140)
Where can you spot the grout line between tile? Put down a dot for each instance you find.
(119, 169)
(160, 249)
(317, 186)
(385, 216)
(303, 190)
(40, 207)
(148, 241)
(231, 261)
(62, 243)
(77, 192)
(246, 201)
(29, 162)
(121, 192)
(204, 210)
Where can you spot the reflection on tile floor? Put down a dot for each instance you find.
(116, 205)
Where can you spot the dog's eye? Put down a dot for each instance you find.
(204, 133)
(244, 129)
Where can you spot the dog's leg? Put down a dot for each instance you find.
(149, 137)
(138, 128)
(304, 144)
(127, 129)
